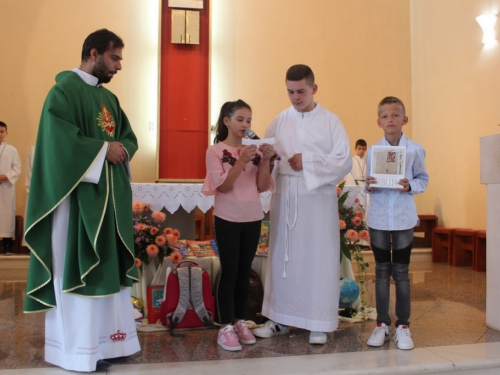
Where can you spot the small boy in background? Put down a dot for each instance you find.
(391, 219)
(10, 170)
(357, 175)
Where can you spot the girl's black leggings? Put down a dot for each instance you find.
(237, 244)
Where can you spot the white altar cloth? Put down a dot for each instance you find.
(172, 195)
(356, 191)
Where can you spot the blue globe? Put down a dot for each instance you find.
(349, 292)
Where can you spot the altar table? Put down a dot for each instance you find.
(172, 196)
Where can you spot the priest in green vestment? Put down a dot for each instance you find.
(79, 216)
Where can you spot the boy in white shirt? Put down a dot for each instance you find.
(10, 170)
(391, 219)
(358, 173)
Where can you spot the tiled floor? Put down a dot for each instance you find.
(448, 315)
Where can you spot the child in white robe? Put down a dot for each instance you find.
(10, 170)
(358, 173)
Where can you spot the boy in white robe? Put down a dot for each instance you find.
(10, 170)
(302, 278)
(357, 175)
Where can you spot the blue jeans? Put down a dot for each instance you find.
(392, 251)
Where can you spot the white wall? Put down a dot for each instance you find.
(456, 90)
(40, 38)
(359, 51)
(427, 52)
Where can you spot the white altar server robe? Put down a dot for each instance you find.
(302, 277)
(358, 172)
(10, 165)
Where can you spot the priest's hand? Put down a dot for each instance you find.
(296, 162)
(116, 153)
(3, 178)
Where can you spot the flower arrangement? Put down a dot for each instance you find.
(152, 239)
(353, 230)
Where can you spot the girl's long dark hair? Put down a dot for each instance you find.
(227, 110)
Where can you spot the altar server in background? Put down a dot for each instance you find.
(79, 220)
(236, 174)
(303, 272)
(391, 219)
(357, 175)
(10, 170)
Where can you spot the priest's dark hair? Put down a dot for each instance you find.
(3, 125)
(101, 40)
(299, 72)
(227, 110)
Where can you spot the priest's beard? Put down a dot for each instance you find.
(101, 71)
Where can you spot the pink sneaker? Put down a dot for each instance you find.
(227, 339)
(244, 333)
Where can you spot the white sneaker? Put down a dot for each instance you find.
(270, 329)
(317, 337)
(403, 338)
(379, 335)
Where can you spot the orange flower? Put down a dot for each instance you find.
(152, 250)
(137, 207)
(352, 235)
(356, 200)
(339, 191)
(147, 206)
(158, 216)
(175, 257)
(160, 240)
(360, 214)
(172, 240)
(176, 233)
(138, 262)
(357, 221)
(142, 226)
(167, 231)
(153, 231)
(342, 224)
(364, 235)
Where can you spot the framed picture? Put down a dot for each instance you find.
(388, 166)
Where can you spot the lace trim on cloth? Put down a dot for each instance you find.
(171, 196)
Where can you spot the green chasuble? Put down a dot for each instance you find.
(76, 120)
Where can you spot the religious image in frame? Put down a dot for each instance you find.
(388, 166)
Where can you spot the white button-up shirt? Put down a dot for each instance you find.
(391, 209)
